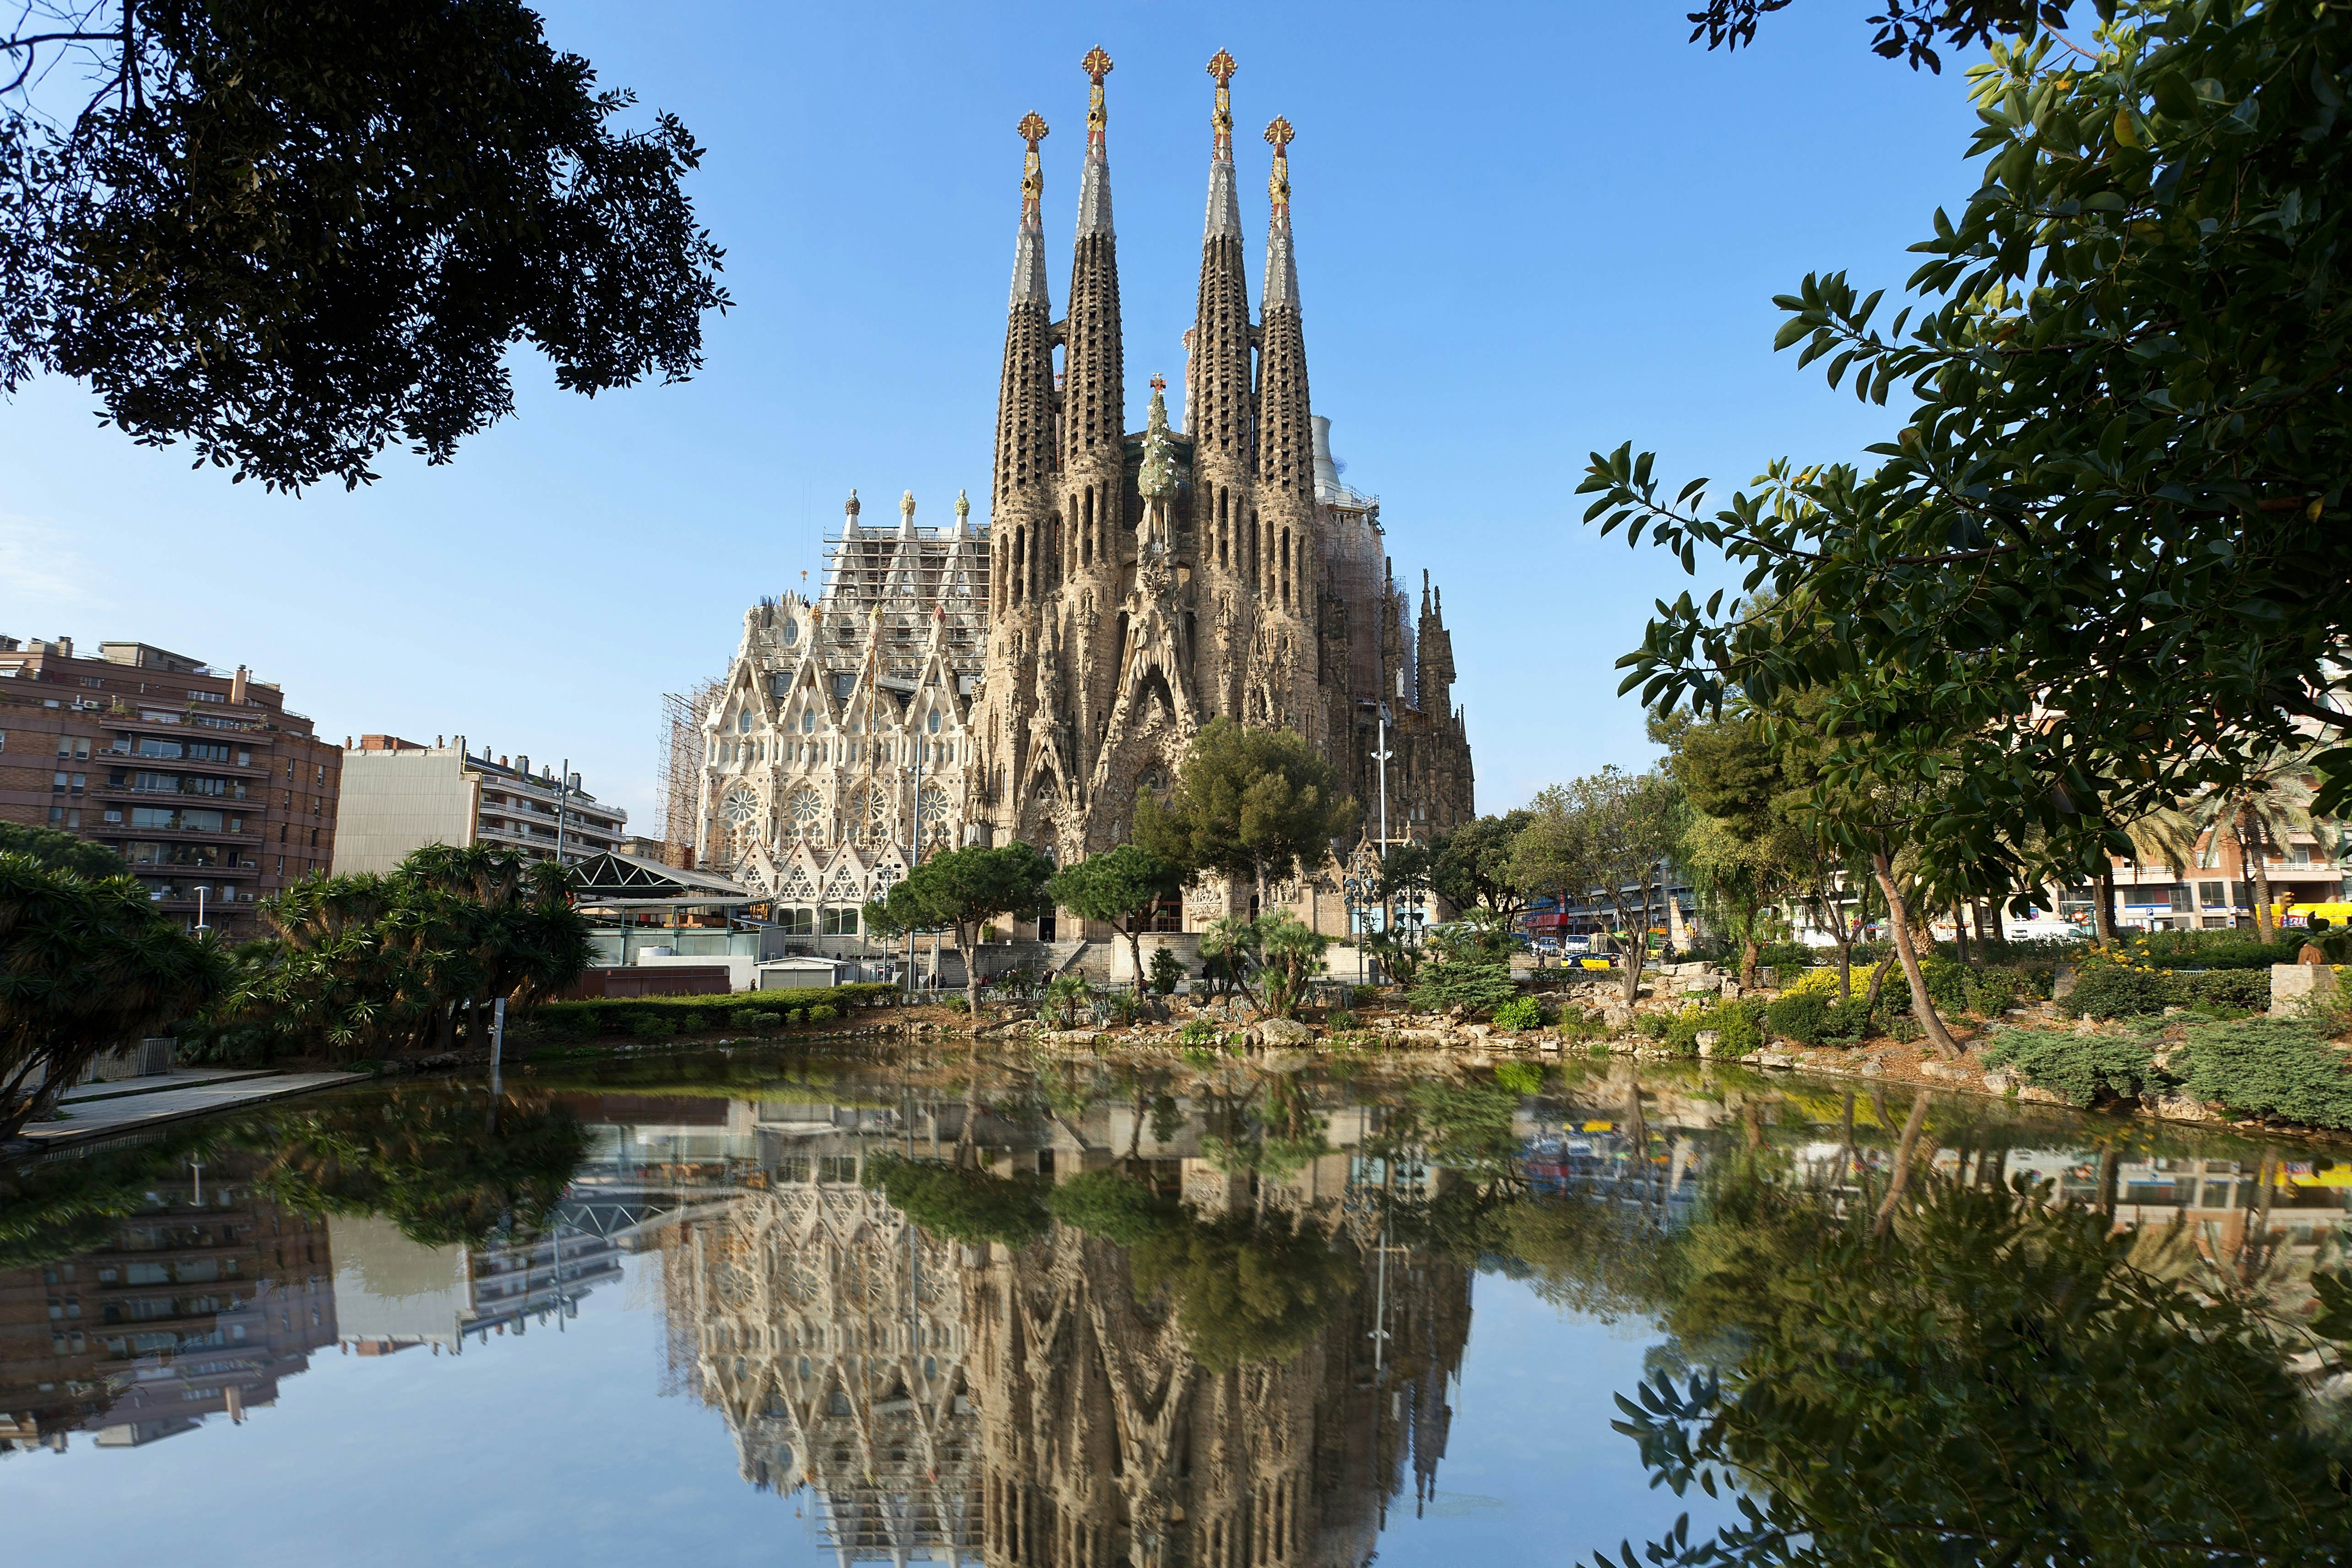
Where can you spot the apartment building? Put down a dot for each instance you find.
(213, 791)
(401, 795)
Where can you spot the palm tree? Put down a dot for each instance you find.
(2271, 802)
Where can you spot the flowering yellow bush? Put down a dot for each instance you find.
(1820, 981)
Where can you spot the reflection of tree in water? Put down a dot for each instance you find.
(448, 1166)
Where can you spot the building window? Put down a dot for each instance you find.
(840, 922)
(2208, 892)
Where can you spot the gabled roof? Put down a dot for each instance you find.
(615, 879)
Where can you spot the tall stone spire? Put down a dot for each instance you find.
(1219, 416)
(1093, 389)
(1024, 400)
(1286, 440)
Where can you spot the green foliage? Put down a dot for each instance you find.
(1522, 1013)
(652, 1026)
(61, 851)
(2269, 1066)
(57, 1208)
(2088, 1070)
(954, 1003)
(1473, 868)
(293, 233)
(1523, 1078)
(825, 1012)
(1167, 971)
(1799, 1016)
(962, 887)
(1247, 1289)
(1197, 1032)
(1066, 994)
(85, 964)
(1119, 887)
(699, 1015)
(751, 1020)
(1474, 984)
(1993, 1381)
(2123, 387)
(1249, 803)
(1609, 832)
(1738, 1024)
(959, 1202)
(1294, 951)
(370, 965)
(1114, 1205)
(2107, 990)
(447, 1165)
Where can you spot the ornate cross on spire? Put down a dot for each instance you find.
(1158, 383)
(1220, 66)
(1278, 185)
(1032, 174)
(1097, 66)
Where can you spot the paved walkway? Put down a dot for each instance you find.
(157, 1083)
(123, 1113)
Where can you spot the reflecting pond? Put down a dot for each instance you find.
(785, 1308)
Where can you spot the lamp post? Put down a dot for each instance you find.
(200, 908)
(563, 795)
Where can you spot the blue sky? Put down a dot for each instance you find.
(1524, 233)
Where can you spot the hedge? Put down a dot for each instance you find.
(2250, 1067)
(656, 1017)
(2117, 991)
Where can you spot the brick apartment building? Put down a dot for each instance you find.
(204, 783)
(204, 1298)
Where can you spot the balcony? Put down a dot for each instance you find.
(108, 832)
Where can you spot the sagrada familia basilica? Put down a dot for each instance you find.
(1027, 678)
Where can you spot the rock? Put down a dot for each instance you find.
(1708, 1039)
(2297, 988)
(1479, 1032)
(1999, 1082)
(1780, 1060)
(2087, 1024)
(2181, 1108)
(1281, 1032)
(1950, 1072)
(1869, 1069)
(2033, 1094)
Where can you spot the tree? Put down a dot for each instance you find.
(291, 233)
(1736, 848)
(1294, 951)
(1249, 804)
(1609, 833)
(962, 887)
(87, 965)
(1473, 866)
(1995, 1379)
(2260, 811)
(1119, 888)
(2102, 561)
(369, 963)
(1908, 28)
(61, 851)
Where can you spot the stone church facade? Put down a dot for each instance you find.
(1129, 588)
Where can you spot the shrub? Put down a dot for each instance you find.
(2088, 1070)
(1167, 972)
(2269, 1066)
(652, 1026)
(1474, 986)
(955, 1001)
(2242, 990)
(1738, 1024)
(795, 1017)
(753, 1019)
(2114, 991)
(1799, 1015)
(1820, 982)
(824, 1012)
(1524, 1013)
(1344, 1018)
(1790, 954)
(1655, 1024)
(1846, 1023)
(1992, 992)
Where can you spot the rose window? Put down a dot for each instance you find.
(933, 813)
(808, 815)
(740, 806)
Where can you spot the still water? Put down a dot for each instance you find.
(1213, 1316)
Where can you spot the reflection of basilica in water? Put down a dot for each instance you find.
(1019, 1405)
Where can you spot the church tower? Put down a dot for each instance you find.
(1285, 656)
(1219, 416)
(1094, 443)
(1022, 508)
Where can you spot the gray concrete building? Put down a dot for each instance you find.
(399, 797)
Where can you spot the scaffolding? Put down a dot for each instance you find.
(679, 752)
